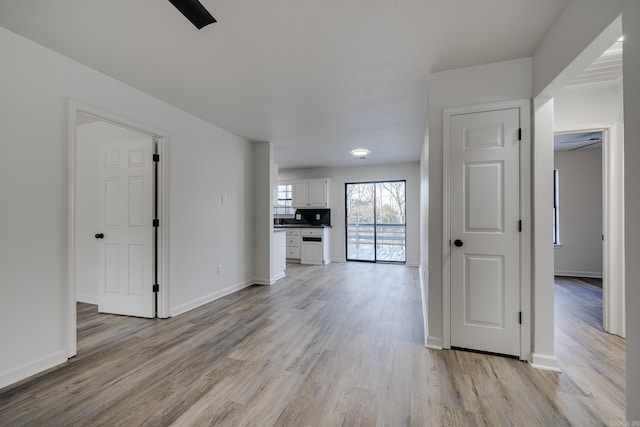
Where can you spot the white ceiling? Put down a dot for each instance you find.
(316, 78)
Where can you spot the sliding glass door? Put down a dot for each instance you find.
(375, 218)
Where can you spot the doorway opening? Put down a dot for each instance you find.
(118, 217)
(588, 121)
(376, 221)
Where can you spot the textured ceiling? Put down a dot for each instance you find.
(316, 78)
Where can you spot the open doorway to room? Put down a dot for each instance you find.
(117, 217)
(588, 159)
(578, 224)
(376, 221)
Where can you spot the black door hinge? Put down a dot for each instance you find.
(520, 226)
(156, 288)
(519, 134)
(156, 222)
(520, 318)
(156, 157)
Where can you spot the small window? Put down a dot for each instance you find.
(556, 212)
(284, 205)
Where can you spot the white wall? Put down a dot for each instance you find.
(204, 162)
(264, 171)
(631, 59)
(561, 46)
(580, 189)
(424, 229)
(468, 86)
(578, 25)
(339, 176)
(588, 105)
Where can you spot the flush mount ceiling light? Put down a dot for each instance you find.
(360, 153)
(195, 12)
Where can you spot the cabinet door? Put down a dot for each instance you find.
(300, 196)
(311, 253)
(318, 193)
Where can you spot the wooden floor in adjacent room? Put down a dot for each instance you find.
(326, 346)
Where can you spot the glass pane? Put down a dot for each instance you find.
(390, 221)
(360, 222)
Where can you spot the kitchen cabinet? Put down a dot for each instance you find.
(314, 246)
(293, 244)
(311, 193)
(278, 255)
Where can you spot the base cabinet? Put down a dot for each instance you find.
(293, 244)
(311, 253)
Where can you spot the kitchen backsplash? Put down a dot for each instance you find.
(308, 217)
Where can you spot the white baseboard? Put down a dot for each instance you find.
(587, 274)
(434, 343)
(338, 260)
(545, 361)
(412, 264)
(31, 368)
(89, 299)
(183, 308)
(277, 277)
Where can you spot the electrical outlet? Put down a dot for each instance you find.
(317, 217)
(219, 269)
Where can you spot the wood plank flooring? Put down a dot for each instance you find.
(326, 346)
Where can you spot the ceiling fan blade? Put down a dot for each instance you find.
(195, 12)
(592, 140)
(585, 146)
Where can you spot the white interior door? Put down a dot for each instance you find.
(484, 227)
(125, 218)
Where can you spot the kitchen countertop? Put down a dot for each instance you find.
(276, 229)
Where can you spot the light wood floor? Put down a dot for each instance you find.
(327, 346)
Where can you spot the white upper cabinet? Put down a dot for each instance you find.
(311, 193)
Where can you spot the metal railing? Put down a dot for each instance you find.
(386, 236)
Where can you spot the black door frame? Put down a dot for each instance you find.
(375, 231)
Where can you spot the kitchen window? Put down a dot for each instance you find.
(283, 207)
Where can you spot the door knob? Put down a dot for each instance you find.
(99, 236)
(458, 242)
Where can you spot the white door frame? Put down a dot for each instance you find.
(613, 279)
(75, 107)
(525, 212)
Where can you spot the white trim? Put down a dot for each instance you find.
(31, 368)
(412, 264)
(613, 263)
(75, 107)
(545, 362)
(87, 299)
(268, 282)
(526, 327)
(338, 260)
(277, 277)
(183, 308)
(588, 274)
(434, 343)
(613, 274)
(524, 106)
